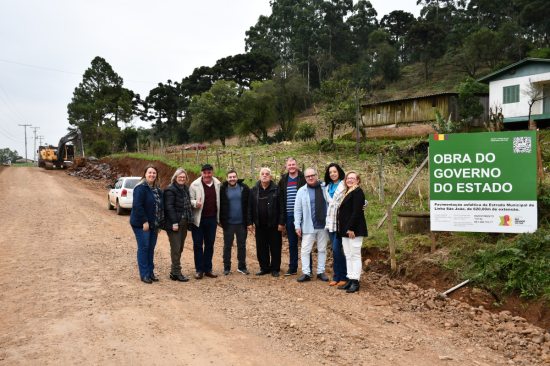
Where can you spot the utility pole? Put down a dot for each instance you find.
(40, 138)
(25, 127)
(35, 137)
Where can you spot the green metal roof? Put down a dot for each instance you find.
(496, 74)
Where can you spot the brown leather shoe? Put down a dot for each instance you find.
(341, 283)
(211, 275)
(332, 283)
(198, 275)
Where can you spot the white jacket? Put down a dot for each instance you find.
(302, 210)
(333, 204)
(196, 192)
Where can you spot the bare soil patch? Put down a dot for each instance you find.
(421, 270)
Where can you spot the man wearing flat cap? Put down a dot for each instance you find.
(205, 199)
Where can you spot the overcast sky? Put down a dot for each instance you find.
(45, 47)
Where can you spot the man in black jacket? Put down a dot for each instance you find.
(289, 184)
(265, 213)
(233, 216)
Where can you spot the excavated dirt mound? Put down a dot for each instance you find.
(110, 169)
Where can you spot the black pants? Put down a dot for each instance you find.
(268, 242)
(229, 232)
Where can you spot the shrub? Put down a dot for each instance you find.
(521, 265)
(305, 132)
(325, 145)
(100, 148)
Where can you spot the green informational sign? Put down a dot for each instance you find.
(483, 182)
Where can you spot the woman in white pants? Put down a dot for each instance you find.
(352, 227)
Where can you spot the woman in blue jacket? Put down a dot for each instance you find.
(145, 219)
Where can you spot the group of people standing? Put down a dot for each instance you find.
(300, 204)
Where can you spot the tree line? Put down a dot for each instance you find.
(328, 52)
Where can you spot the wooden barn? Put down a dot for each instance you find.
(417, 110)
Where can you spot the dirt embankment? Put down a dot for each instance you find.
(109, 169)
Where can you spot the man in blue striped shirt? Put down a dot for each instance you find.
(289, 184)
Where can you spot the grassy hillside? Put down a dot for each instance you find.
(444, 78)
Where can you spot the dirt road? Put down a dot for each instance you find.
(70, 294)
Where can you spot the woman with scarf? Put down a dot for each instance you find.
(178, 214)
(334, 192)
(145, 219)
(352, 227)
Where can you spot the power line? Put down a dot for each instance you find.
(10, 105)
(39, 67)
(65, 72)
(8, 134)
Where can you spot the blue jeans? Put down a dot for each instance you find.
(339, 259)
(292, 244)
(146, 242)
(203, 243)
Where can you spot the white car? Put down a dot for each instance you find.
(120, 196)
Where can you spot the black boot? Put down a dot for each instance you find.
(354, 287)
(346, 286)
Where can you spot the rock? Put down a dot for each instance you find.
(430, 304)
(445, 358)
(519, 319)
(538, 339)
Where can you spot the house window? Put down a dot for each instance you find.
(510, 94)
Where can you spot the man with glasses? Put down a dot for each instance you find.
(265, 214)
(310, 212)
(289, 184)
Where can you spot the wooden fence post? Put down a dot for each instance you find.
(391, 239)
(380, 177)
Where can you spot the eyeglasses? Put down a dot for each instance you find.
(311, 176)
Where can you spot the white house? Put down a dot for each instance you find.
(508, 90)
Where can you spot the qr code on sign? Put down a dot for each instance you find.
(522, 145)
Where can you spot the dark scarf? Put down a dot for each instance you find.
(159, 214)
(187, 210)
(320, 204)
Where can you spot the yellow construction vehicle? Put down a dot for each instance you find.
(62, 155)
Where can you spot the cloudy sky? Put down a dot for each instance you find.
(45, 47)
